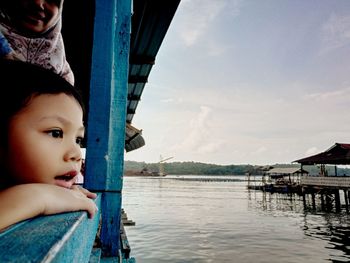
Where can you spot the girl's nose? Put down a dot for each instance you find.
(39, 4)
(73, 153)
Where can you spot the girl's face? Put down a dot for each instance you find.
(44, 141)
(36, 16)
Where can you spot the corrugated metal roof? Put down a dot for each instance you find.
(150, 22)
(286, 171)
(339, 153)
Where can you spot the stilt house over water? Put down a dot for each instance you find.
(328, 188)
(111, 46)
(287, 175)
(338, 154)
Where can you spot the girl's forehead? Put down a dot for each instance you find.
(60, 104)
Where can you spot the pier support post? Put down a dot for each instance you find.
(328, 201)
(313, 200)
(322, 202)
(337, 200)
(303, 190)
(346, 200)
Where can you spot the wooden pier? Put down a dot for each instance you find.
(277, 188)
(325, 192)
(209, 179)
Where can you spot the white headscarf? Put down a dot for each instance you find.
(46, 50)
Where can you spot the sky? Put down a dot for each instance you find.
(248, 82)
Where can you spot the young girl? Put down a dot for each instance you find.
(30, 30)
(41, 129)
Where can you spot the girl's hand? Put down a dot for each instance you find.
(59, 199)
(25, 201)
(86, 192)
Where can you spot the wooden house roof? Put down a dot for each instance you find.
(339, 153)
(286, 171)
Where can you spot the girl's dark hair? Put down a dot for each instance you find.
(21, 81)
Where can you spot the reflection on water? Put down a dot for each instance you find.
(334, 229)
(208, 221)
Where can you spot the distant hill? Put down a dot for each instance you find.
(197, 168)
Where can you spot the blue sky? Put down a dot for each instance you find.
(257, 82)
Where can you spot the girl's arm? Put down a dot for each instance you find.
(25, 201)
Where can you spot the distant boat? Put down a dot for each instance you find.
(144, 172)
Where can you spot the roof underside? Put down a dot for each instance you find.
(339, 153)
(150, 22)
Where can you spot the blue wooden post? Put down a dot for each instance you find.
(107, 114)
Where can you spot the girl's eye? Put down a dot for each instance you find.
(55, 133)
(79, 141)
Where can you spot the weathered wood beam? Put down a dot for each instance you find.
(67, 237)
(107, 114)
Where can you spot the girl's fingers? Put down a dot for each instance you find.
(90, 205)
(86, 192)
(92, 209)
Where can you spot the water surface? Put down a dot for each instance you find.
(200, 221)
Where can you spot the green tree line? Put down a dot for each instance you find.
(197, 168)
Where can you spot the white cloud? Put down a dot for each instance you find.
(210, 147)
(260, 150)
(216, 49)
(197, 15)
(329, 95)
(244, 120)
(199, 138)
(168, 100)
(200, 121)
(336, 33)
(311, 151)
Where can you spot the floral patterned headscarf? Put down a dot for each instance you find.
(46, 50)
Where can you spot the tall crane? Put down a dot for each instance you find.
(161, 166)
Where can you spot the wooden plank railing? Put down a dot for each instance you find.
(66, 237)
(339, 182)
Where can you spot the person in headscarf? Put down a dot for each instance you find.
(30, 31)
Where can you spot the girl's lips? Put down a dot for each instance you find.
(34, 18)
(67, 180)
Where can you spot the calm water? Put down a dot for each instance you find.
(197, 221)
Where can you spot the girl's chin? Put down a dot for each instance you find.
(32, 27)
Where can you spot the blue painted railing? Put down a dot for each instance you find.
(69, 237)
